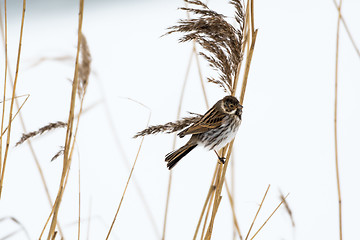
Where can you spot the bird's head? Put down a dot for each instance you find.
(231, 105)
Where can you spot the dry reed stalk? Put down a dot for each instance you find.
(13, 98)
(54, 235)
(262, 201)
(17, 112)
(89, 222)
(208, 211)
(69, 138)
(229, 149)
(209, 195)
(79, 218)
(232, 194)
(174, 141)
(22, 122)
(193, 52)
(5, 77)
(128, 180)
(224, 49)
(347, 30)
(236, 224)
(269, 217)
(335, 120)
(200, 75)
(216, 204)
(167, 206)
(126, 162)
(219, 184)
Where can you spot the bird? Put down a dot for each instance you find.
(216, 128)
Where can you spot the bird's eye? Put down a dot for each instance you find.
(231, 105)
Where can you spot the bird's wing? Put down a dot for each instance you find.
(211, 119)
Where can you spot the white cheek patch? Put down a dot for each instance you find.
(233, 111)
(222, 106)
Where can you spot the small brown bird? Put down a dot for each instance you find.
(213, 131)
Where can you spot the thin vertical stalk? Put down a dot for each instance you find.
(126, 186)
(347, 30)
(283, 200)
(262, 201)
(13, 97)
(79, 217)
(200, 76)
(209, 195)
(208, 211)
(335, 120)
(174, 141)
(5, 78)
(236, 224)
(229, 146)
(69, 138)
(21, 119)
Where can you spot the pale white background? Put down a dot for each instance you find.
(286, 138)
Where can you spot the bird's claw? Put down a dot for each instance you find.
(222, 159)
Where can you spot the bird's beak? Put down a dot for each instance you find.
(239, 110)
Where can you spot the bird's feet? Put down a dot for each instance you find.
(222, 159)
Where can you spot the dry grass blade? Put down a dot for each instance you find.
(287, 207)
(124, 158)
(17, 112)
(262, 201)
(221, 41)
(208, 211)
(46, 128)
(236, 224)
(347, 29)
(54, 236)
(79, 218)
(174, 143)
(209, 196)
(5, 81)
(169, 127)
(269, 217)
(335, 120)
(22, 122)
(70, 138)
(127, 183)
(13, 98)
(247, 66)
(218, 38)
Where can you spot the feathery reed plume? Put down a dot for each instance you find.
(58, 154)
(170, 127)
(46, 128)
(221, 41)
(84, 66)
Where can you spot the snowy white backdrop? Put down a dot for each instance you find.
(286, 138)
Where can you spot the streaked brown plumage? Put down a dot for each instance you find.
(216, 128)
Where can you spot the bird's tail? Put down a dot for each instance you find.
(173, 157)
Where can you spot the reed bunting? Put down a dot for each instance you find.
(216, 128)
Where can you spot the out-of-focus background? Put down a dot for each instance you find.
(286, 138)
